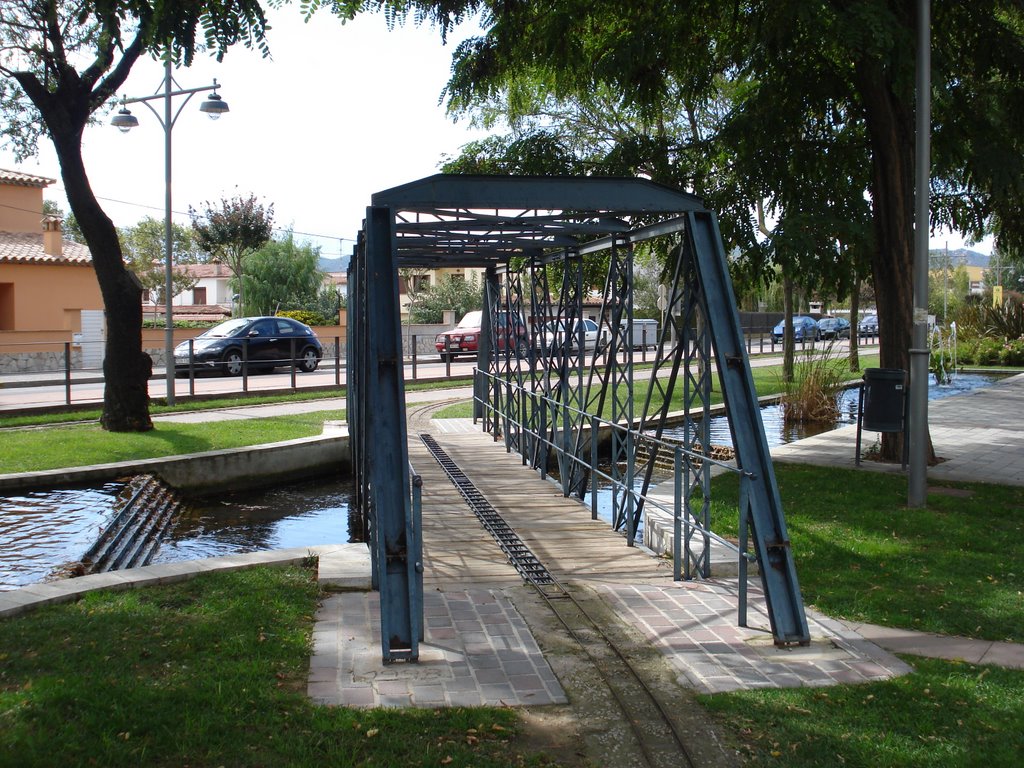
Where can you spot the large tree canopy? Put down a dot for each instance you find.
(62, 61)
(826, 118)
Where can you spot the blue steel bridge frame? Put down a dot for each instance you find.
(533, 237)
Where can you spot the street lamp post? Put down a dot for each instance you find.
(124, 120)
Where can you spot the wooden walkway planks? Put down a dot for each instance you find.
(458, 552)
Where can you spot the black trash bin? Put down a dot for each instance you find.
(884, 399)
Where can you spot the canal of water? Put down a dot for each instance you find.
(42, 532)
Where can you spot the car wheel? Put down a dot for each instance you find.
(309, 360)
(445, 357)
(232, 362)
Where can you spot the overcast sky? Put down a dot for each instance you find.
(338, 113)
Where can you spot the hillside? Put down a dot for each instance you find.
(333, 265)
(960, 256)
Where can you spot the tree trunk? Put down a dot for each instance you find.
(854, 358)
(126, 368)
(890, 123)
(788, 342)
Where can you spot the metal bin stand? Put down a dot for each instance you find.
(883, 405)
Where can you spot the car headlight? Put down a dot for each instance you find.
(469, 337)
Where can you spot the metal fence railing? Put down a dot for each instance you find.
(58, 373)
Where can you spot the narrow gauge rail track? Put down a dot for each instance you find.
(656, 732)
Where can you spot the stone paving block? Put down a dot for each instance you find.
(395, 702)
(450, 672)
(428, 695)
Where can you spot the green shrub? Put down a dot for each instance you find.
(150, 323)
(966, 350)
(1012, 353)
(812, 396)
(988, 351)
(303, 316)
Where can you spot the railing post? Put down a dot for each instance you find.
(67, 373)
(245, 365)
(593, 467)
(677, 516)
(337, 361)
(192, 367)
(291, 351)
(412, 342)
(447, 357)
(743, 540)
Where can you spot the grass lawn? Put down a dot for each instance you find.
(157, 407)
(208, 672)
(34, 450)
(944, 714)
(955, 567)
(212, 672)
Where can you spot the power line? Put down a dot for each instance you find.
(185, 213)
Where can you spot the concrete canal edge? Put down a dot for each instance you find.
(211, 471)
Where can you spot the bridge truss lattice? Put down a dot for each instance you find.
(581, 410)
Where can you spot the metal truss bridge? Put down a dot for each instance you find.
(565, 403)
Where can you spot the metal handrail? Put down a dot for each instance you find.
(685, 517)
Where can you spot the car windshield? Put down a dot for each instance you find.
(226, 329)
(470, 320)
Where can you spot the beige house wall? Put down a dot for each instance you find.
(435, 276)
(21, 208)
(47, 297)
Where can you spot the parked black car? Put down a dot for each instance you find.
(264, 342)
(834, 328)
(868, 326)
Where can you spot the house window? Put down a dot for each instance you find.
(145, 296)
(6, 306)
(198, 295)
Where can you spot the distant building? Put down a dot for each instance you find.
(46, 282)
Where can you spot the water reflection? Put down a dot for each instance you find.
(302, 514)
(43, 530)
(779, 432)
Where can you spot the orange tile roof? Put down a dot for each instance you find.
(19, 179)
(206, 270)
(27, 248)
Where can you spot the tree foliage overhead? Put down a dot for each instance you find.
(61, 62)
(826, 118)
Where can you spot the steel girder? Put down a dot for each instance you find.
(771, 540)
(379, 431)
(684, 349)
(611, 380)
(540, 419)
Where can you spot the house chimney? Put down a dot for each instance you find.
(53, 244)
